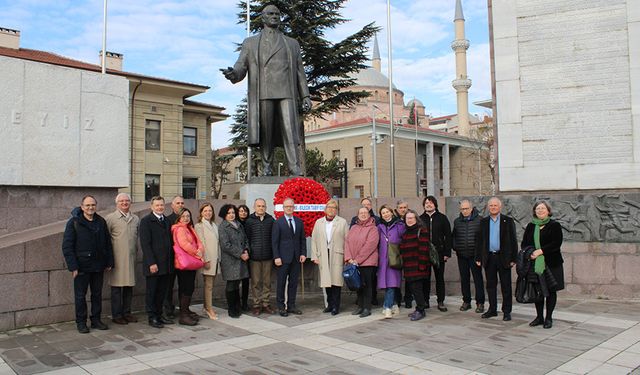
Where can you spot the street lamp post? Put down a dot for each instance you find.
(374, 141)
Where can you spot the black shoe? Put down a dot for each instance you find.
(407, 305)
(335, 312)
(283, 312)
(365, 313)
(82, 327)
(170, 314)
(442, 307)
(357, 311)
(294, 311)
(489, 314)
(375, 302)
(164, 320)
(426, 305)
(156, 323)
(479, 308)
(536, 322)
(548, 323)
(465, 306)
(506, 317)
(327, 309)
(99, 325)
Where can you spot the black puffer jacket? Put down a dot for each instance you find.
(259, 236)
(464, 233)
(86, 245)
(439, 230)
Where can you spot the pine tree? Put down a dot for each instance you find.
(328, 65)
(412, 115)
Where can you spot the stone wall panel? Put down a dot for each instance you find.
(45, 315)
(60, 288)
(23, 291)
(7, 321)
(593, 269)
(628, 269)
(12, 259)
(44, 254)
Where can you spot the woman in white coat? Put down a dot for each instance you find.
(327, 247)
(207, 232)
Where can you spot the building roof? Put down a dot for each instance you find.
(417, 101)
(376, 49)
(201, 104)
(55, 59)
(368, 120)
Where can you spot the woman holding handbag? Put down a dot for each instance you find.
(207, 232)
(390, 230)
(234, 254)
(361, 248)
(545, 235)
(186, 241)
(414, 249)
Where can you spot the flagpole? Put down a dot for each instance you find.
(249, 151)
(104, 39)
(391, 124)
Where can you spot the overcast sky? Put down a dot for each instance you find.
(189, 40)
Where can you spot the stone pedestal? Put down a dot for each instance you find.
(261, 187)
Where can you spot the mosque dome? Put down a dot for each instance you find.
(370, 77)
(416, 101)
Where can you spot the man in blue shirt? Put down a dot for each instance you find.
(496, 250)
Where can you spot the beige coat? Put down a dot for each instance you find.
(124, 237)
(208, 235)
(331, 262)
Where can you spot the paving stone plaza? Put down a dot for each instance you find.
(588, 336)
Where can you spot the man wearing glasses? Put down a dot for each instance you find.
(289, 251)
(465, 230)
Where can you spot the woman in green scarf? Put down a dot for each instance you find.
(545, 235)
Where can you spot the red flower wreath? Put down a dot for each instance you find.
(302, 191)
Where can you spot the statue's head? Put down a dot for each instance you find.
(271, 16)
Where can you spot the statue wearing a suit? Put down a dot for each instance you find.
(277, 86)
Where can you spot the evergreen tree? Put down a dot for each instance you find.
(412, 115)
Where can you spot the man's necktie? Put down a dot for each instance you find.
(291, 225)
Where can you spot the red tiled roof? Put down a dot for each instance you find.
(55, 59)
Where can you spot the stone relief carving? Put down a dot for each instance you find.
(584, 217)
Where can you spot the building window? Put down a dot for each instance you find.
(151, 186)
(440, 169)
(189, 187)
(336, 191)
(359, 191)
(152, 135)
(190, 141)
(335, 154)
(359, 158)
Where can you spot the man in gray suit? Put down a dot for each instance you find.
(277, 84)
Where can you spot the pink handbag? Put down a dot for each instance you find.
(185, 261)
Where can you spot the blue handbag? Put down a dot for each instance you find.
(351, 276)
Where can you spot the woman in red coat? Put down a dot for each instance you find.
(414, 249)
(185, 237)
(545, 235)
(361, 248)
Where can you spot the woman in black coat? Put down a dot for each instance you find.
(545, 235)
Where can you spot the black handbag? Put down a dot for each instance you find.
(528, 291)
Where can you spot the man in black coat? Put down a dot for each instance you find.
(258, 229)
(87, 250)
(465, 230)
(289, 251)
(496, 251)
(157, 253)
(440, 236)
(177, 204)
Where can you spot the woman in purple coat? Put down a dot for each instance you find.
(391, 229)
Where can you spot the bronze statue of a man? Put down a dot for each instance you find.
(277, 84)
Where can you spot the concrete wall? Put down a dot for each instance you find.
(567, 82)
(62, 126)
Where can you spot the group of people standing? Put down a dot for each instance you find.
(488, 243)
(246, 246)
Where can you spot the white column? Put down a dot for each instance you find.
(431, 181)
(446, 176)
